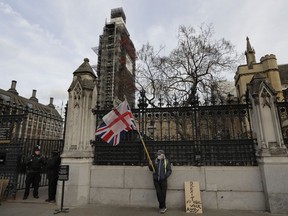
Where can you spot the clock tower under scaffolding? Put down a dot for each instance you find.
(116, 63)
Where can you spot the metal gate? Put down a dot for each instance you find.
(15, 147)
(283, 115)
(209, 135)
(11, 144)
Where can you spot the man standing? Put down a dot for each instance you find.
(52, 175)
(160, 175)
(35, 164)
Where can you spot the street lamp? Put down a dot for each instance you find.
(151, 128)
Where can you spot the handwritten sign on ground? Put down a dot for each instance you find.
(192, 197)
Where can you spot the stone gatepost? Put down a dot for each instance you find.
(271, 151)
(80, 129)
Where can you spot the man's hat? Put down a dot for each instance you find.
(160, 152)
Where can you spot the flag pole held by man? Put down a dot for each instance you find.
(116, 123)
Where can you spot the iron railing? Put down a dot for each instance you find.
(16, 153)
(283, 115)
(180, 153)
(47, 146)
(206, 135)
(17, 125)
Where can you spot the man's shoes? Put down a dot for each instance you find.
(25, 197)
(47, 200)
(36, 197)
(163, 210)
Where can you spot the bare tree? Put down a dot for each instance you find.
(192, 68)
(148, 73)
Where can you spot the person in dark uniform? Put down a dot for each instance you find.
(35, 164)
(52, 175)
(162, 171)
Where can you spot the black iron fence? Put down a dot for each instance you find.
(283, 115)
(46, 146)
(10, 155)
(180, 153)
(17, 125)
(193, 135)
(14, 156)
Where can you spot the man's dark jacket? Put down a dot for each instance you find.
(162, 169)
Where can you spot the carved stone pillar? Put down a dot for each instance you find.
(80, 129)
(271, 151)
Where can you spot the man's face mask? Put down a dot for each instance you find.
(160, 157)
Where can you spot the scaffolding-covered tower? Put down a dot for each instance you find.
(116, 63)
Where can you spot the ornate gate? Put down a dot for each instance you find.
(193, 135)
(11, 142)
(283, 115)
(15, 147)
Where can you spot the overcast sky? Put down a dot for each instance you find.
(42, 42)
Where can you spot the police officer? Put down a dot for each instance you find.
(52, 175)
(35, 164)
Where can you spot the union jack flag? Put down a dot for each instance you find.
(116, 123)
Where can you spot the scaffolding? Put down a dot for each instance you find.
(115, 81)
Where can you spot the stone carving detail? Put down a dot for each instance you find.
(77, 92)
(76, 104)
(278, 151)
(266, 98)
(256, 99)
(273, 144)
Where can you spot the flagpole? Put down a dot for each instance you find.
(142, 141)
(147, 153)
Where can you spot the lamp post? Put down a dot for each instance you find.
(142, 106)
(151, 128)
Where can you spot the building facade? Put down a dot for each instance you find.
(42, 121)
(116, 63)
(268, 67)
(260, 187)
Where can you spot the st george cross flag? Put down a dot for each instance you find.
(117, 122)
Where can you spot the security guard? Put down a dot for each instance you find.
(35, 164)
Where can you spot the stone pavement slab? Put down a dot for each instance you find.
(38, 207)
(12, 208)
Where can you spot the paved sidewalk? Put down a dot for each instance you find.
(38, 207)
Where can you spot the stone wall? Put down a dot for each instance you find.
(245, 188)
(221, 187)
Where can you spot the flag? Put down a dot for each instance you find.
(116, 123)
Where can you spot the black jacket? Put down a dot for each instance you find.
(53, 167)
(162, 169)
(35, 163)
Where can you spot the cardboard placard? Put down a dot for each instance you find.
(193, 202)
